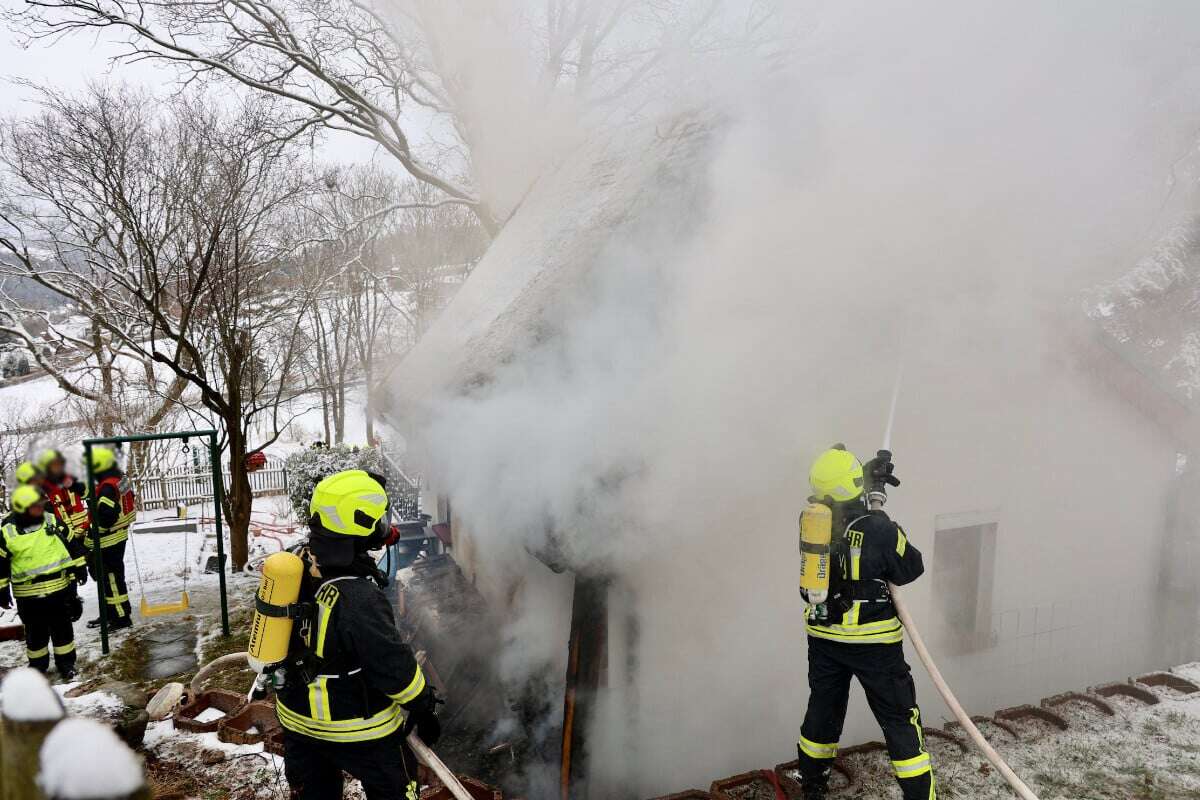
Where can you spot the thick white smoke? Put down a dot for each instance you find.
(930, 183)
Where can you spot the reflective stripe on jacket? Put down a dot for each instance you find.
(873, 548)
(116, 510)
(68, 500)
(36, 558)
(367, 672)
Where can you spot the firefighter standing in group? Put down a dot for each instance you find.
(27, 473)
(65, 494)
(40, 565)
(116, 510)
(855, 632)
(351, 689)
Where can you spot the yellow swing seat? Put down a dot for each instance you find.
(161, 609)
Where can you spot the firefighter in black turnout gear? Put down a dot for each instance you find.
(855, 633)
(352, 689)
(116, 510)
(40, 565)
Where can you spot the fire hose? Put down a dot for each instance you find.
(878, 496)
(422, 751)
(956, 708)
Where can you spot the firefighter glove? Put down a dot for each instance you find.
(880, 470)
(423, 718)
(5, 597)
(75, 607)
(81, 576)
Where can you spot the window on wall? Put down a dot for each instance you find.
(964, 568)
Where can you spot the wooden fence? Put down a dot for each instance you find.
(192, 485)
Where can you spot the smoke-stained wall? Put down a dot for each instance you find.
(676, 321)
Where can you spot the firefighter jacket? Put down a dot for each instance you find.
(36, 556)
(871, 552)
(355, 673)
(116, 508)
(67, 498)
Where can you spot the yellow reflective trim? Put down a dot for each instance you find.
(837, 633)
(382, 724)
(64, 649)
(45, 651)
(106, 501)
(318, 701)
(912, 767)
(59, 565)
(878, 626)
(915, 721)
(323, 614)
(40, 588)
(818, 750)
(414, 688)
(901, 542)
(108, 540)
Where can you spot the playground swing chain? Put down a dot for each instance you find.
(160, 609)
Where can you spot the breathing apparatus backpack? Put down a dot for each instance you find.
(816, 534)
(277, 608)
(283, 634)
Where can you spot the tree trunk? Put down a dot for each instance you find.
(325, 415)
(340, 405)
(369, 410)
(240, 500)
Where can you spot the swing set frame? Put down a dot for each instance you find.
(214, 453)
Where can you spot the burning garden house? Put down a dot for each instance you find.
(616, 414)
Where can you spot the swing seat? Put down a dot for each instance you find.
(161, 609)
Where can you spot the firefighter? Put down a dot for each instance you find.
(27, 473)
(40, 565)
(66, 494)
(855, 633)
(352, 688)
(116, 509)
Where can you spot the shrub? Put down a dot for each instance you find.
(306, 468)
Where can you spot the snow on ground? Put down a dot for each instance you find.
(162, 561)
(27, 697)
(82, 758)
(258, 774)
(1143, 753)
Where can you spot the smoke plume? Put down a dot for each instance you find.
(929, 185)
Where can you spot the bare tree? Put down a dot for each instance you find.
(379, 70)
(177, 208)
(112, 388)
(385, 263)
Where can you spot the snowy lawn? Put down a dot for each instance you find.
(1143, 753)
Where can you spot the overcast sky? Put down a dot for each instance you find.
(73, 61)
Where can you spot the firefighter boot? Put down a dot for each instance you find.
(814, 786)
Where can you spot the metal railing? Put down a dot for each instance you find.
(194, 485)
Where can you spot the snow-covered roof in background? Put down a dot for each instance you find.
(1152, 313)
(552, 241)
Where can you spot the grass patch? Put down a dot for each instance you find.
(235, 678)
(126, 661)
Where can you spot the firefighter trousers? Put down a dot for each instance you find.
(888, 684)
(49, 626)
(386, 767)
(116, 593)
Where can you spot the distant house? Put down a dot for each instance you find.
(1054, 492)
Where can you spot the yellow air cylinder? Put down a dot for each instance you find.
(816, 532)
(280, 586)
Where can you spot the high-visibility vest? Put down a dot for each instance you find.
(68, 501)
(126, 510)
(39, 561)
